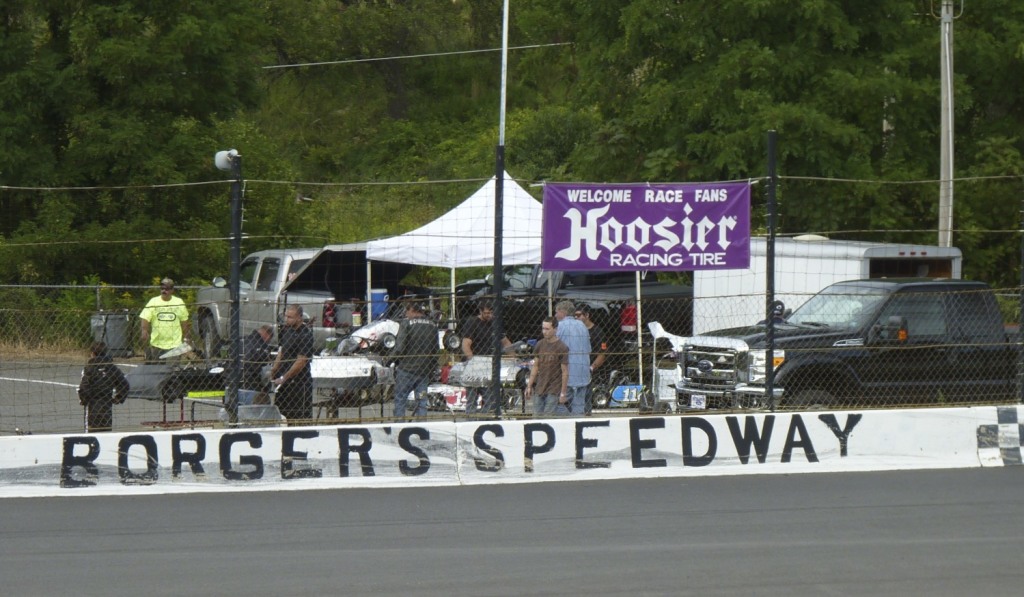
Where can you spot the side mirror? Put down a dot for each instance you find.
(219, 282)
(779, 312)
(892, 331)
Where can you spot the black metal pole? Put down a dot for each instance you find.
(499, 210)
(1020, 313)
(769, 377)
(499, 277)
(235, 379)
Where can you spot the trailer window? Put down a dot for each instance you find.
(911, 268)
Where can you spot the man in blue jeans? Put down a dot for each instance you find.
(549, 376)
(415, 358)
(574, 334)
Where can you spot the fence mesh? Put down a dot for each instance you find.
(46, 330)
(956, 351)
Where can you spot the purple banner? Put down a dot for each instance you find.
(630, 227)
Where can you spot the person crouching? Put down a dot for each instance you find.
(103, 385)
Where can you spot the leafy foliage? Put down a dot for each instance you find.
(128, 96)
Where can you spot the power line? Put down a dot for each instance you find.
(900, 182)
(370, 183)
(134, 241)
(116, 188)
(301, 183)
(408, 57)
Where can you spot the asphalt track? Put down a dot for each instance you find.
(956, 532)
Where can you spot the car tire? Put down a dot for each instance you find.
(810, 398)
(212, 342)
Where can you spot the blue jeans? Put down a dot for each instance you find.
(544, 405)
(576, 400)
(406, 382)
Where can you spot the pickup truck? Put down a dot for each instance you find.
(330, 283)
(263, 275)
(861, 343)
(611, 296)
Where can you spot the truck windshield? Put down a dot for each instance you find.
(520, 276)
(839, 306)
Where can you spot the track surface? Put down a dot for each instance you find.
(896, 533)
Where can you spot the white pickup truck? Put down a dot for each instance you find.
(263, 275)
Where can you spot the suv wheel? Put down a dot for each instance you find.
(211, 339)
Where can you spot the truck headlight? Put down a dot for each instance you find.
(757, 364)
(684, 360)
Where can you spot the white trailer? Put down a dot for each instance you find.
(803, 266)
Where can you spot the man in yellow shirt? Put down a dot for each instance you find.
(164, 321)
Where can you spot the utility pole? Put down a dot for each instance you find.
(946, 18)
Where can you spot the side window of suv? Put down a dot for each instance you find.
(972, 316)
(924, 311)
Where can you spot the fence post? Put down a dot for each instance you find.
(769, 378)
(1020, 311)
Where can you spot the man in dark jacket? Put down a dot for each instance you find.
(415, 359)
(254, 388)
(291, 371)
(256, 355)
(103, 385)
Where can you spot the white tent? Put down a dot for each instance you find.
(464, 237)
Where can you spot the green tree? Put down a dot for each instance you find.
(119, 94)
(125, 94)
(688, 90)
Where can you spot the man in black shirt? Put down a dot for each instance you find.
(415, 355)
(478, 340)
(255, 355)
(291, 370)
(599, 350)
(478, 333)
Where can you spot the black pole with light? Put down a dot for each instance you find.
(231, 161)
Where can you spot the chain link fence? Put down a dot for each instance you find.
(861, 348)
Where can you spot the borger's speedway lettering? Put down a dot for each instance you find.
(241, 456)
(631, 227)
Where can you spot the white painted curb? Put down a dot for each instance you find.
(487, 452)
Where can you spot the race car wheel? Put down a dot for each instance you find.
(452, 341)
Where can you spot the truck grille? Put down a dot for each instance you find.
(710, 369)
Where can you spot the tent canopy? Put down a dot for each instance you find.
(343, 270)
(464, 237)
